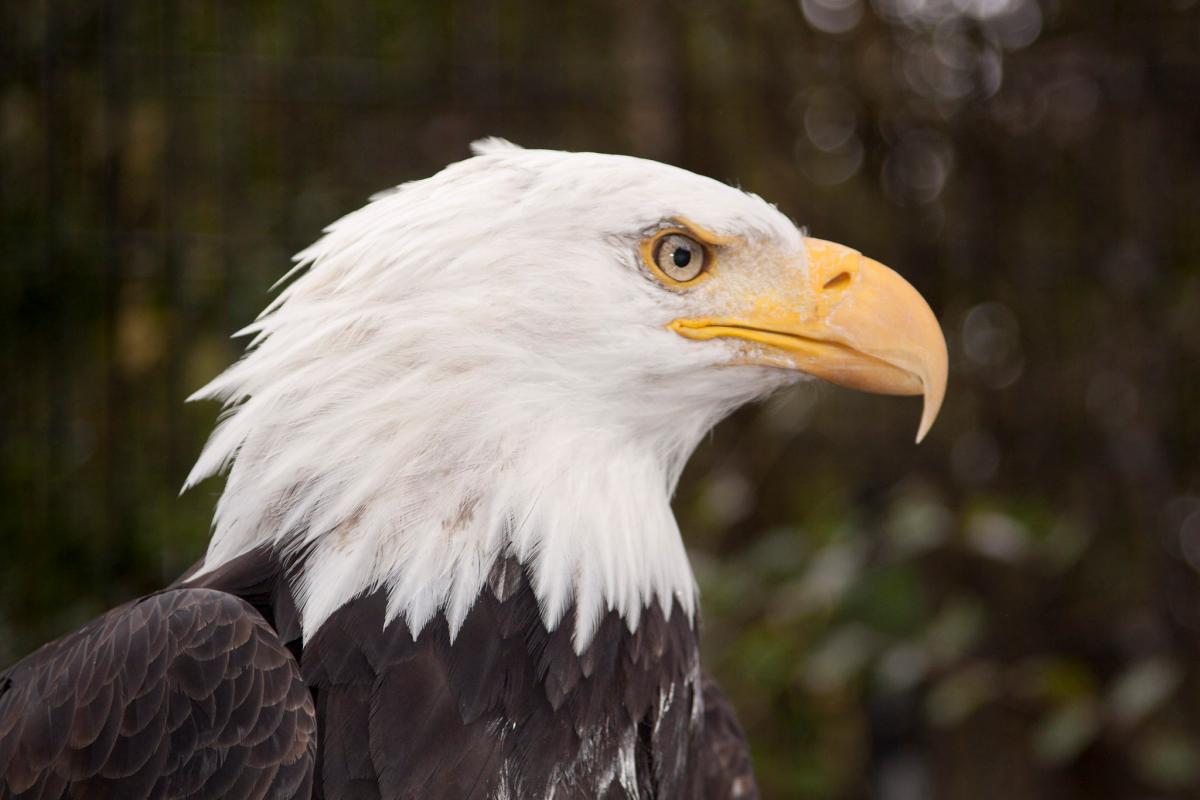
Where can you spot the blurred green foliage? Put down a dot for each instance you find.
(1011, 610)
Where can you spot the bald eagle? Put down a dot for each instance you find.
(444, 563)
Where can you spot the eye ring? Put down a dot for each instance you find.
(679, 257)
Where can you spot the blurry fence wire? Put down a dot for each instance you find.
(1011, 610)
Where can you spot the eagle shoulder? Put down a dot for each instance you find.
(188, 692)
(726, 771)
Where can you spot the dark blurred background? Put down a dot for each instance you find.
(1010, 610)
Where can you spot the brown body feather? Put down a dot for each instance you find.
(183, 694)
(207, 691)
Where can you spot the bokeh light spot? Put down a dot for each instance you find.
(832, 16)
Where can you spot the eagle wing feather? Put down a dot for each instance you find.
(185, 693)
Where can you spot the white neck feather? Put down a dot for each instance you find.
(426, 508)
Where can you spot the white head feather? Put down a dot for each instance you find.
(475, 365)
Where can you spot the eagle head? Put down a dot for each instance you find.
(515, 357)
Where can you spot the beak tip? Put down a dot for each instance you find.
(932, 405)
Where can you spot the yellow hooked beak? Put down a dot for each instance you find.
(846, 319)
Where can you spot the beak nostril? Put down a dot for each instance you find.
(841, 279)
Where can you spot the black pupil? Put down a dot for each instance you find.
(682, 256)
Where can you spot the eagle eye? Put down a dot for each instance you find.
(681, 258)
